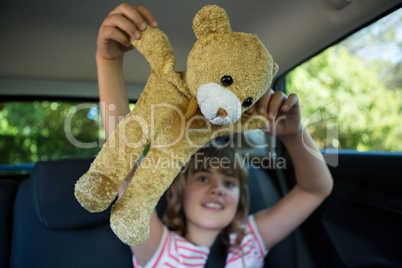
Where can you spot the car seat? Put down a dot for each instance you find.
(8, 189)
(51, 229)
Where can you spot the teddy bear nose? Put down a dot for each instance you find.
(221, 113)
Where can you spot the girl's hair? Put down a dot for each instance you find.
(174, 217)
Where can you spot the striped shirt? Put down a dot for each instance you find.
(175, 251)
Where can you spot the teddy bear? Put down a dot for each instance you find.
(176, 114)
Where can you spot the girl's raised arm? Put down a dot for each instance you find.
(113, 41)
(314, 181)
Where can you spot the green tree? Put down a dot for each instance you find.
(34, 131)
(380, 46)
(368, 116)
(362, 76)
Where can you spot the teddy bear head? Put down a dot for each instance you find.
(227, 72)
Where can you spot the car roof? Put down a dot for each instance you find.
(46, 42)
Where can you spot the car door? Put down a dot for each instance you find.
(351, 102)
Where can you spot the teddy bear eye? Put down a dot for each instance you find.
(226, 80)
(247, 102)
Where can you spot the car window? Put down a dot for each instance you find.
(351, 93)
(33, 131)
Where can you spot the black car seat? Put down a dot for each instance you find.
(51, 229)
(8, 189)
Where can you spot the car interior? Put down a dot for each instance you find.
(48, 60)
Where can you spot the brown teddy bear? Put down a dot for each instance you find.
(177, 113)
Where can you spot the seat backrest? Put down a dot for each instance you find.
(264, 193)
(51, 229)
(8, 189)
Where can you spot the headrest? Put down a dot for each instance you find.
(53, 197)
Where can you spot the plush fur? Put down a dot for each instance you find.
(174, 115)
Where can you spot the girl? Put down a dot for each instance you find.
(207, 200)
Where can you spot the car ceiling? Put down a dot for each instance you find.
(52, 41)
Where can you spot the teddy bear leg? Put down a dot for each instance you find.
(130, 215)
(98, 187)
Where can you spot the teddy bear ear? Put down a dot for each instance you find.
(209, 20)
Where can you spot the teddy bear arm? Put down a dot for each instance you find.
(97, 188)
(155, 47)
(178, 79)
(252, 121)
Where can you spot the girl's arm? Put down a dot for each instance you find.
(113, 41)
(314, 181)
(112, 92)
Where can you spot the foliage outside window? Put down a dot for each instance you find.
(355, 89)
(35, 131)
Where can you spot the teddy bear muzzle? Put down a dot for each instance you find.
(218, 104)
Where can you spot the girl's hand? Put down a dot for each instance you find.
(282, 112)
(123, 22)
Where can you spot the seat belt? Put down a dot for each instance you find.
(218, 253)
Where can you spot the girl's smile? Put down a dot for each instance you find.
(213, 205)
(211, 201)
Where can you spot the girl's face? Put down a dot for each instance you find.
(211, 200)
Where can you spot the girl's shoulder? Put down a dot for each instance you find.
(176, 251)
(251, 251)
(251, 237)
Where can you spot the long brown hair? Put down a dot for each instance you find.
(174, 217)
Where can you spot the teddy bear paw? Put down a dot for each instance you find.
(130, 226)
(95, 191)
